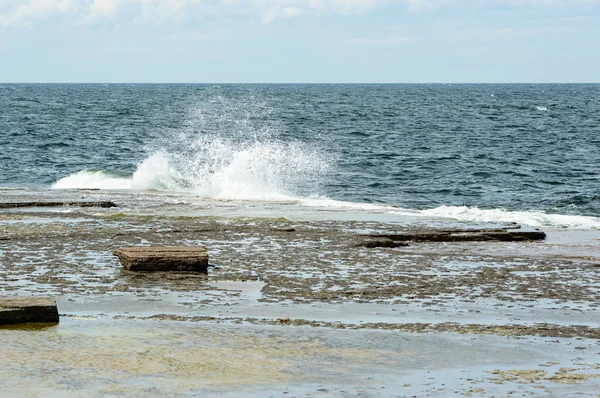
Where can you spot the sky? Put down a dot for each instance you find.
(300, 41)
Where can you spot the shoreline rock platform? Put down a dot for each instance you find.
(164, 258)
(14, 310)
(523, 306)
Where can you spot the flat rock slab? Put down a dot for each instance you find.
(14, 205)
(512, 234)
(27, 309)
(151, 258)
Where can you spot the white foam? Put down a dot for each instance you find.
(156, 174)
(541, 108)
(236, 182)
(87, 179)
(324, 202)
(532, 218)
(219, 168)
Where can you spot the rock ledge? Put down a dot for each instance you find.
(150, 258)
(27, 309)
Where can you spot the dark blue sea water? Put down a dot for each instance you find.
(490, 146)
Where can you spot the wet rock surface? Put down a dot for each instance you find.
(15, 205)
(163, 258)
(382, 242)
(14, 310)
(317, 262)
(528, 311)
(508, 234)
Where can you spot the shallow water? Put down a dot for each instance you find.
(131, 358)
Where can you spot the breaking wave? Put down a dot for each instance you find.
(231, 148)
(225, 149)
(92, 179)
(532, 218)
(220, 168)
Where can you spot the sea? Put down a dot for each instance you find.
(525, 153)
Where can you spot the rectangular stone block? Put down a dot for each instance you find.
(27, 309)
(150, 258)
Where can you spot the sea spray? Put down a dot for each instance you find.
(219, 169)
(222, 154)
(93, 179)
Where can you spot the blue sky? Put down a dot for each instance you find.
(398, 41)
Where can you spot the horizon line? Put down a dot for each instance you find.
(297, 83)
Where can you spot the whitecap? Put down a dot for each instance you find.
(219, 168)
(532, 218)
(90, 179)
(327, 203)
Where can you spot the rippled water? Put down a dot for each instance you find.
(494, 148)
(170, 359)
(178, 359)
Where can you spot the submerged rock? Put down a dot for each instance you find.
(27, 309)
(283, 229)
(166, 258)
(382, 242)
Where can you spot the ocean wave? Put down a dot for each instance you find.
(155, 174)
(219, 168)
(222, 152)
(325, 202)
(532, 218)
(90, 179)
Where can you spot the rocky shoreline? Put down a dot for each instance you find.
(445, 278)
(299, 262)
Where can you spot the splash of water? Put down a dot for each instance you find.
(221, 156)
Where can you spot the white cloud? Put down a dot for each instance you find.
(159, 11)
(27, 13)
(102, 9)
(545, 3)
(345, 6)
(429, 5)
(275, 13)
(179, 11)
(292, 12)
(271, 10)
